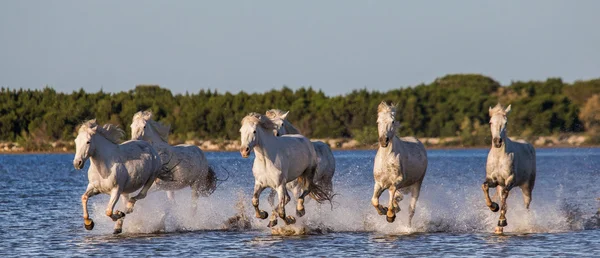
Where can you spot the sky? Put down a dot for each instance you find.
(255, 46)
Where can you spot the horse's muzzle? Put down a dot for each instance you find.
(78, 164)
(384, 141)
(497, 142)
(245, 151)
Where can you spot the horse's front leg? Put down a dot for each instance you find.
(504, 196)
(141, 195)
(488, 201)
(89, 192)
(391, 211)
(258, 188)
(115, 215)
(377, 190)
(284, 198)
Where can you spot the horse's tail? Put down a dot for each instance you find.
(317, 192)
(210, 184)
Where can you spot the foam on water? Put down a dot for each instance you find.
(439, 209)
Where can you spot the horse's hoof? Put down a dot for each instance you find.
(117, 231)
(495, 207)
(391, 219)
(502, 223)
(88, 224)
(272, 223)
(300, 213)
(262, 215)
(290, 220)
(499, 230)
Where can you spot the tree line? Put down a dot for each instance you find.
(450, 106)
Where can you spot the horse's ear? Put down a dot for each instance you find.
(507, 110)
(285, 115)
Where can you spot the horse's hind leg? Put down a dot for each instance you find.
(377, 190)
(140, 195)
(488, 201)
(526, 189)
(115, 215)
(414, 193)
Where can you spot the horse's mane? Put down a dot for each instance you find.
(109, 131)
(289, 127)
(259, 119)
(384, 108)
(162, 130)
(497, 110)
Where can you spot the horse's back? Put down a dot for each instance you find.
(413, 158)
(141, 162)
(524, 153)
(299, 152)
(325, 160)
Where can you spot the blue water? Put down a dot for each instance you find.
(40, 212)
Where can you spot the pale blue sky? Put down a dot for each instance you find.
(256, 46)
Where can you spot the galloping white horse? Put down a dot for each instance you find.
(400, 165)
(188, 163)
(116, 169)
(279, 160)
(325, 159)
(509, 164)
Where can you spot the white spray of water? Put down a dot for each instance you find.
(439, 209)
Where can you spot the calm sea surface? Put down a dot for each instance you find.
(40, 212)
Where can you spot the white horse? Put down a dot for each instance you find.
(279, 160)
(509, 164)
(187, 162)
(400, 165)
(116, 169)
(325, 159)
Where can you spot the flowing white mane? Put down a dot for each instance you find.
(497, 110)
(161, 130)
(278, 114)
(385, 109)
(263, 121)
(109, 131)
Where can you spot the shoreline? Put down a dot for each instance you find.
(333, 149)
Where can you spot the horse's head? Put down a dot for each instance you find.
(498, 123)
(254, 126)
(278, 118)
(386, 124)
(140, 129)
(84, 143)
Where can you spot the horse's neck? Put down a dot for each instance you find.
(265, 143)
(159, 144)
(104, 154)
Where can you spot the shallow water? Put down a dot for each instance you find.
(40, 212)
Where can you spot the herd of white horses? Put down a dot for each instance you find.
(284, 161)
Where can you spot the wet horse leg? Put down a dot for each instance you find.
(416, 189)
(377, 190)
(255, 201)
(284, 198)
(89, 192)
(391, 212)
(503, 197)
(488, 201)
(115, 215)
